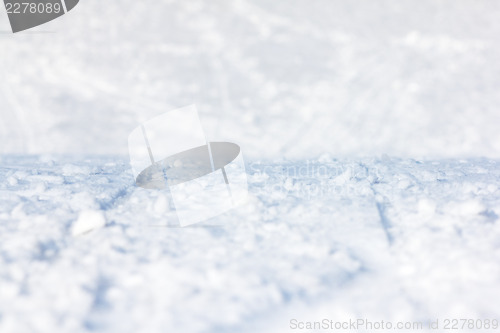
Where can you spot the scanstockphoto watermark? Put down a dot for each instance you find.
(312, 179)
(27, 14)
(316, 169)
(354, 324)
(171, 153)
(363, 324)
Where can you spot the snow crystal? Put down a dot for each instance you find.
(88, 220)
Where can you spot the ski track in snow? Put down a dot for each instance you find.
(381, 237)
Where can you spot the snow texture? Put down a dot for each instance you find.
(333, 238)
(295, 79)
(370, 134)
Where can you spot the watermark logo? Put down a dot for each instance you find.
(170, 152)
(26, 14)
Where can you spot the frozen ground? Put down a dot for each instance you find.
(309, 90)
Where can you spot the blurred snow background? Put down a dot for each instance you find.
(395, 102)
(282, 78)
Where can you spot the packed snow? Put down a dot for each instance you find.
(383, 238)
(370, 135)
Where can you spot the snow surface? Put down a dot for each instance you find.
(288, 78)
(380, 238)
(370, 133)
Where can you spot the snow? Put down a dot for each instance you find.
(371, 142)
(334, 237)
(293, 80)
(88, 220)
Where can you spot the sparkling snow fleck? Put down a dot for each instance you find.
(88, 220)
